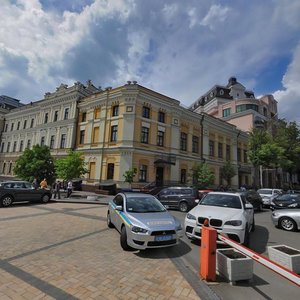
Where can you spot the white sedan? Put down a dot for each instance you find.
(228, 213)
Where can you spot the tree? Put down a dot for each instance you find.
(70, 167)
(227, 172)
(35, 163)
(202, 175)
(129, 175)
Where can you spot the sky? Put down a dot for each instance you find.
(177, 48)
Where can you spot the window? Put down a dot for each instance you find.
(55, 116)
(245, 156)
(66, 114)
(161, 117)
(42, 141)
(8, 147)
(183, 141)
(6, 127)
(183, 176)
(211, 148)
(114, 133)
(21, 146)
(110, 171)
(195, 144)
(18, 126)
(10, 168)
(25, 124)
(12, 127)
(2, 147)
(97, 113)
(143, 173)
(4, 167)
(226, 112)
(146, 112)
(81, 138)
(115, 110)
(83, 117)
(220, 150)
(239, 154)
(52, 141)
(145, 135)
(28, 144)
(31, 123)
(15, 146)
(96, 135)
(46, 118)
(63, 141)
(92, 171)
(160, 138)
(243, 107)
(228, 150)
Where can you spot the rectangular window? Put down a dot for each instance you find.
(21, 146)
(6, 127)
(183, 141)
(46, 118)
(220, 150)
(2, 147)
(145, 135)
(115, 110)
(63, 141)
(92, 171)
(8, 147)
(25, 124)
(42, 141)
(55, 116)
(161, 117)
(245, 156)
(83, 117)
(96, 135)
(183, 176)
(81, 138)
(226, 112)
(239, 154)
(4, 167)
(195, 144)
(143, 173)
(228, 150)
(66, 114)
(10, 168)
(15, 146)
(146, 112)
(52, 140)
(211, 148)
(12, 127)
(97, 113)
(110, 171)
(114, 133)
(18, 126)
(160, 138)
(28, 144)
(31, 123)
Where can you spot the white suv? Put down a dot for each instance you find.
(268, 195)
(229, 213)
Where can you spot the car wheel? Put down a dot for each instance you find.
(253, 225)
(183, 206)
(247, 237)
(123, 239)
(6, 201)
(287, 223)
(45, 198)
(109, 223)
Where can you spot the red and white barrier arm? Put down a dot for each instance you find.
(286, 273)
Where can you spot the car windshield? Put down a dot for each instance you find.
(144, 205)
(266, 192)
(221, 200)
(287, 197)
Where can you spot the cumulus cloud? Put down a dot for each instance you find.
(216, 14)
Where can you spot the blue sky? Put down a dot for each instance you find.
(177, 48)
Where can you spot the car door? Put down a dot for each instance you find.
(115, 214)
(163, 196)
(18, 191)
(30, 193)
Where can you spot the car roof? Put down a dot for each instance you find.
(133, 194)
(225, 193)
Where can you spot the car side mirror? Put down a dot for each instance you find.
(119, 208)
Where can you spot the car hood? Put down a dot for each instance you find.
(215, 212)
(285, 202)
(154, 221)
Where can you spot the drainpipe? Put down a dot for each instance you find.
(202, 131)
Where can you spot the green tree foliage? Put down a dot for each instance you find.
(70, 167)
(35, 163)
(129, 175)
(202, 175)
(227, 172)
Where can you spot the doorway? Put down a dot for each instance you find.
(159, 176)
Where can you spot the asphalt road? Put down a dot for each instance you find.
(266, 284)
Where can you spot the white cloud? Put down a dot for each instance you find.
(216, 14)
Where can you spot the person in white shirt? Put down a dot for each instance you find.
(69, 188)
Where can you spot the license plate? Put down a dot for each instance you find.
(160, 238)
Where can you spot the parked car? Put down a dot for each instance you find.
(287, 219)
(202, 193)
(254, 198)
(228, 213)
(268, 195)
(17, 191)
(293, 192)
(286, 201)
(142, 221)
(182, 198)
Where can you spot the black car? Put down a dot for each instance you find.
(18, 191)
(254, 198)
(286, 201)
(182, 198)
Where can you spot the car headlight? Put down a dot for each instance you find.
(190, 216)
(293, 205)
(234, 223)
(137, 229)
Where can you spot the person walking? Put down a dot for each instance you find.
(35, 183)
(43, 184)
(69, 188)
(56, 189)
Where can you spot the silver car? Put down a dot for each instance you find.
(287, 219)
(142, 221)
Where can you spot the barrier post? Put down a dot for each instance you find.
(208, 252)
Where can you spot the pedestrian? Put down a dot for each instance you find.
(35, 183)
(56, 189)
(43, 184)
(69, 188)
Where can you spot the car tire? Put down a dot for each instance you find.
(45, 198)
(123, 239)
(183, 206)
(247, 237)
(109, 223)
(7, 201)
(253, 225)
(287, 223)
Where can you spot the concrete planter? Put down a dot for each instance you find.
(285, 256)
(233, 265)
